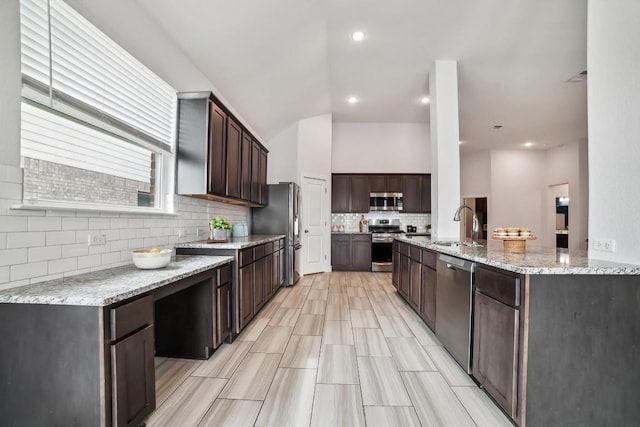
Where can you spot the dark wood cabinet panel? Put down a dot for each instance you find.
(258, 285)
(234, 159)
(361, 252)
(415, 281)
(245, 295)
(275, 271)
(245, 167)
(378, 183)
(268, 277)
(255, 172)
(495, 350)
(395, 274)
(340, 193)
(425, 194)
(394, 183)
(340, 251)
(403, 282)
(223, 303)
(217, 150)
(133, 378)
(428, 296)
(262, 177)
(411, 193)
(359, 193)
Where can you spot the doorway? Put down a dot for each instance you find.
(559, 201)
(314, 225)
(479, 205)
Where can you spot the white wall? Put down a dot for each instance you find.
(518, 193)
(315, 145)
(613, 61)
(381, 147)
(475, 174)
(283, 156)
(42, 245)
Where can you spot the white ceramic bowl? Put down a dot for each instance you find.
(148, 261)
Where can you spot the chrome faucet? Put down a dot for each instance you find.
(475, 228)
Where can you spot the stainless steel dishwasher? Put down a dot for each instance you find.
(454, 305)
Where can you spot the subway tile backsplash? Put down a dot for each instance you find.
(350, 221)
(42, 245)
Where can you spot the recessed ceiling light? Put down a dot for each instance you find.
(352, 100)
(357, 36)
(424, 100)
(529, 144)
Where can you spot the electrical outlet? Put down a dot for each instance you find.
(97, 239)
(198, 231)
(182, 233)
(605, 245)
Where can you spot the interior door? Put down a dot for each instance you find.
(314, 224)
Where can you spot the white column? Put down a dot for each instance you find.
(445, 152)
(10, 86)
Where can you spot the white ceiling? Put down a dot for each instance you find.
(279, 61)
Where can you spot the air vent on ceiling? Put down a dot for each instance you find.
(580, 77)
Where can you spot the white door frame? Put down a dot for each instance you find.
(326, 228)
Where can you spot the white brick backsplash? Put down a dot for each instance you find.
(4, 274)
(46, 278)
(77, 272)
(75, 250)
(13, 223)
(89, 261)
(13, 256)
(136, 223)
(143, 232)
(99, 249)
(25, 240)
(74, 223)
(111, 234)
(60, 237)
(27, 271)
(99, 223)
(127, 233)
(118, 245)
(3, 240)
(62, 265)
(136, 243)
(14, 284)
(45, 223)
(119, 223)
(45, 253)
(110, 258)
(150, 242)
(10, 190)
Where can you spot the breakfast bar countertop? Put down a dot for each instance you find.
(106, 287)
(234, 242)
(537, 260)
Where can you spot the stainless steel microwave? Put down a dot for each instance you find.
(385, 201)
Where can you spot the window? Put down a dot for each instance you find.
(97, 125)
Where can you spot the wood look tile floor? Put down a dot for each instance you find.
(337, 349)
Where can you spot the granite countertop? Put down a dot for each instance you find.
(105, 287)
(350, 232)
(535, 261)
(235, 242)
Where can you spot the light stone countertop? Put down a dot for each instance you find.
(234, 243)
(106, 287)
(535, 261)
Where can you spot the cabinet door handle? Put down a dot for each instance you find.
(306, 231)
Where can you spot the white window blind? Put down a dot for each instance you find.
(75, 67)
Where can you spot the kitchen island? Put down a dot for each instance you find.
(555, 335)
(80, 350)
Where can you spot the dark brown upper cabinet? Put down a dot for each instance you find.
(411, 193)
(385, 183)
(349, 193)
(234, 158)
(215, 154)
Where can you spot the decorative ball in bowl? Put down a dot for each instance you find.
(149, 259)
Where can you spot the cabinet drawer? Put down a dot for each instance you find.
(502, 286)
(403, 248)
(225, 275)
(258, 252)
(245, 257)
(415, 253)
(394, 246)
(429, 258)
(268, 248)
(360, 238)
(130, 317)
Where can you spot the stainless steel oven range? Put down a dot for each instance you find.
(383, 232)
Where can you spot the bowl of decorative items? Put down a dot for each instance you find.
(149, 259)
(514, 239)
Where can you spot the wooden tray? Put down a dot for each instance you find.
(514, 244)
(217, 241)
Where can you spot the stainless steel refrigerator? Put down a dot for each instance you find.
(281, 215)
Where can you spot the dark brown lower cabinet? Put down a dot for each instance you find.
(133, 378)
(351, 252)
(395, 275)
(415, 279)
(404, 279)
(428, 306)
(269, 284)
(223, 306)
(495, 350)
(245, 295)
(258, 285)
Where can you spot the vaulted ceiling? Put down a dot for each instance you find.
(279, 61)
